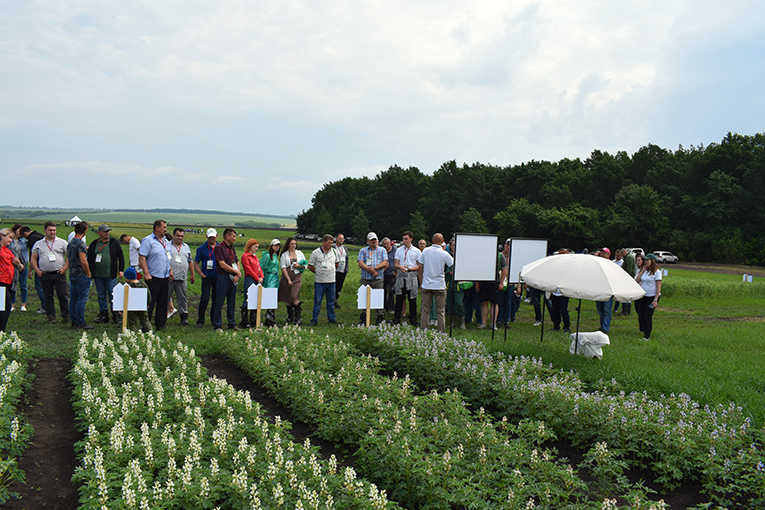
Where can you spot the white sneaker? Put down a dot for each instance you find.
(23, 308)
(538, 323)
(12, 308)
(172, 313)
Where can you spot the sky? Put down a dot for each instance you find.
(253, 105)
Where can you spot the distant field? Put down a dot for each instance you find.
(97, 217)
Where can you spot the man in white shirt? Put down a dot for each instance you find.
(432, 268)
(133, 246)
(407, 279)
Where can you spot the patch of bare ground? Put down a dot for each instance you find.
(50, 460)
(222, 367)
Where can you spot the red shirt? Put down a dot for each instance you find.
(7, 269)
(251, 266)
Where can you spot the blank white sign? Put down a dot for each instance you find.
(138, 299)
(377, 298)
(2, 298)
(522, 252)
(269, 298)
(475, 257)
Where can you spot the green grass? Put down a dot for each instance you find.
(711, 348)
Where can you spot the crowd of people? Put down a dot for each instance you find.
(164, 264)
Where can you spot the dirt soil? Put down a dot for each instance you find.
(50, 461)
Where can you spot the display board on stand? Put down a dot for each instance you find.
(475, 257)
(524, 251)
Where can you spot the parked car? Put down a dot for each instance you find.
(666, 257)
(636, 251)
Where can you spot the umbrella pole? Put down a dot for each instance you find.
(578, 314)
(543, 304)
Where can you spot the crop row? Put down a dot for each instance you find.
(160, 434)
(15, 433)
(428, 451)
(675, 437)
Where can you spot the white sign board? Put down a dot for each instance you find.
(2, 298)
(378, 296)
(138, 299)
(522, 252)
(269, 298)
(475, 257)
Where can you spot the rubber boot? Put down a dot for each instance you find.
(299, 313)
(627, 308)
(102, 317)
(245, 323)
(462, 322)
(253, 318)
(116, 317)
(290, 314)
(271, 319)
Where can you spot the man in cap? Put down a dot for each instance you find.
(205, 266)
(182, 266)
(373, 259)
(106, 262)
(604, 307)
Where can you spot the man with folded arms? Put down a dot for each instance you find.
(50, 264)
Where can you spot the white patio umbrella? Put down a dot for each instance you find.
(581, 276)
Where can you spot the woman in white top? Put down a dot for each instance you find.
(649, 278)
(292, 264)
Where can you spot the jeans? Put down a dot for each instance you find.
(209, 286)
(248, 280)
(472, 304)
(319, 291)
(39, 290)
(78, 297)
(22, 286)
(604, 310)
(515, 304)
(226, 289)
(55, 282)
(104, 288)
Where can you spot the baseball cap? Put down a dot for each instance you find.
(371, 236)
(211, 232)
(104, 228)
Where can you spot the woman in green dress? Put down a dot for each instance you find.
(269, 263)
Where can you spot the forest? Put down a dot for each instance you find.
(705, 204)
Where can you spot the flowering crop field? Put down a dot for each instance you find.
(161, 434)
(14, 432)
(674, 437)
(426, 449)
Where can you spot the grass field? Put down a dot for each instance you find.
(97, 217)
(710, 346)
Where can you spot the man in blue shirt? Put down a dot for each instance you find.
(154, 259)
(204, 265)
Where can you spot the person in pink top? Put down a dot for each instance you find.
(253, 274)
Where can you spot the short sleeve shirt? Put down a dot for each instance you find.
(372, 258)
(73, 251)
(133, 246)
(408, 257)
(227, 254)
(181, 258)
(324, 264)
(51, 256)
(206, 260)
(157, 253)
(434, 261)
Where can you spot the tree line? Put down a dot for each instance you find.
(705, 204)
